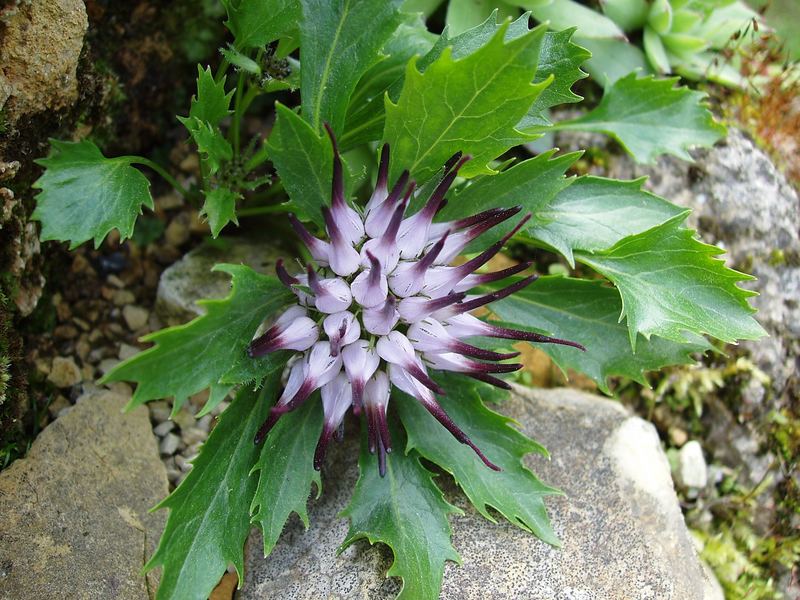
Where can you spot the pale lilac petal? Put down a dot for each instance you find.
(370, 287)
(380, 320)
(342, 328)
(300, 335)
(330, 295)
(360, 362)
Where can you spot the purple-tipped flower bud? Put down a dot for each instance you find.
(450, 361)
(380, 320)
(381, 183)
(300, 334)
(337, 397)
(330, 295)
(343, 258)
(396, 348)
(342, 328)
(360, 363)
(378, 217)
(370, 287)
(376, 399)
(417, 308)
(431, 337)
(318, 249)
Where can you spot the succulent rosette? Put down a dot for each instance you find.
(382, 306)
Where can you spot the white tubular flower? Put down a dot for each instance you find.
(381, 305)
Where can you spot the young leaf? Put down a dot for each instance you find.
(208, 521)
(588, 312)
(212, 145)
(671, 283)
(407, 512)
(256, 23)
(211, 104)
(650, 117)
(613, 59)
(286, 471)
(304, 161)
(340, 40)
(595, 213)
(471, 104)
(514, 491)
(84, 195)
(562, 59)
(220, 208)
(189, 358)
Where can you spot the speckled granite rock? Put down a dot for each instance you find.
(622, 529)
(74, 519)
(191, 278)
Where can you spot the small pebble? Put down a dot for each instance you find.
(115, 281)
(183, 463)
(126, 351)
(107, 364)
(193, 435)
(692, 469)
(173, 475)
(64, 372)
(169, 444)
(163, 428)
(122, 297)
(135, 316)
(159, 411)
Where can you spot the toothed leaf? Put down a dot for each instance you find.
(211, 104)
(587, 312)
(189, 358)
(514, 492)
(470, 104)
(340, 41)
(595, 213)
(220, 208)
(208, 521)
(651, 117)
(256, 23)
(406, 511)
(85, 195)
(304, 161)
(285, 470)
(671, 284)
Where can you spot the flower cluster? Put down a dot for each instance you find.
(382, 305)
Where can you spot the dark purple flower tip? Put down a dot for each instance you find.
(283, 274)
(483, 278)
(438, 413)
(426, 261)
(494, 296)
(529, 336)
(322, 446)
(378, 439)
(417, 373)
(452, 161)
(383, 168)
(486, 378)
(475, 352)
(337, 191)
(266, 427)
(317, 248)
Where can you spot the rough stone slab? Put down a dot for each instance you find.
(74, 512)
(191, 278)
(622, 530)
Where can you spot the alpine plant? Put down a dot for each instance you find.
(381, 305)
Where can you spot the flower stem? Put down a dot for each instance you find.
(141, 160)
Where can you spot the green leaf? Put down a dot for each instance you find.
(208, 521)
(366, 112)
(562, 59)
(563, 14)
(286, 471)
(630, 15)
(220, 208)
(595, 213)
(304, 161)
(340, 40)
(189, 358)
(650, 117)
(212, 145)
(471, 104)
(671, 283)
(514, 492)
(407, 512)
(532, 184)
(588, 312)
(211, 104)
(256, 23)
(84, 195)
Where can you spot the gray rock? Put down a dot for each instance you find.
(169, 444)
(692, 471)
(75, 520)
(64, 372)
(620, 523)
(191, 279)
